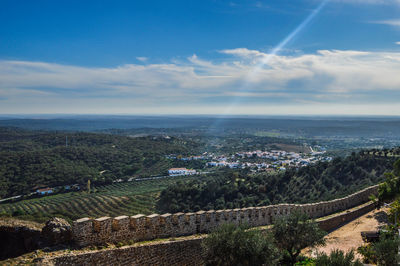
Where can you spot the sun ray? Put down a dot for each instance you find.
(266, 59)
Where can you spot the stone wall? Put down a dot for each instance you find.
(17, 240)
(180, 252)
(88, 231)
(334, 221)
(183, 251)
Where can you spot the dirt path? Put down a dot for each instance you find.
(348, 236)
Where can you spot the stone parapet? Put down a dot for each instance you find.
(180, 251)
(102, 230)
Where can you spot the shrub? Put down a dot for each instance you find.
(235, 245)
(368, 253)
(17, 213)
(337, 258)
(4, 214)
(386, 250)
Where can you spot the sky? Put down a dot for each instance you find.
(271, 57)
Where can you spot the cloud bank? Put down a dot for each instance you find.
(328, 81)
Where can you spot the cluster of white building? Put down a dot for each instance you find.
(272, 155)
(181, 171)
(270, 160)
(276, 159)
(224, 164)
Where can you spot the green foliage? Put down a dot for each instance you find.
(368, 253)
(232, 245)
(33, 159)
(294, 232)
(17, 213)
(337, 258)
(394, 211)
(305, 262)
(388, 189)
(240, 188)
(4, 214)
(386, 250)
(391, 187)
(396, 168)
(373, 198)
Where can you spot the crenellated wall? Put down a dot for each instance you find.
(88, 231)
(179, 251)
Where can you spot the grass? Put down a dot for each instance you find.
(111, 200)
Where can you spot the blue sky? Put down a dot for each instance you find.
(200, 57)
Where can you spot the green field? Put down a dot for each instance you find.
(111, 200)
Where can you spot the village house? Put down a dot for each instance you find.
(181, 171)
(45, 191)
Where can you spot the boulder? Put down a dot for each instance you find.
(57, 231)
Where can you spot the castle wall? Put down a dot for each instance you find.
(181, 252)
(178, 252)
(330, 223)
(88, 231)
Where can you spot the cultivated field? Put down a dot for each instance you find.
(111, 200)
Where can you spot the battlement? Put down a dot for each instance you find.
(88, 231)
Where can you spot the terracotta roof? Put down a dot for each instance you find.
(44, 189)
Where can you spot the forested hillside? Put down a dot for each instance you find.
(32, 159)
(234, 189)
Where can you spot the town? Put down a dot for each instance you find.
(257, 160)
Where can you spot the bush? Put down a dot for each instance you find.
(4, 214)
(386, 250)
(368, 253)
(235, 245)
(17, 213)
(337, 258)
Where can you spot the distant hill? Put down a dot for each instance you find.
(33, 159)
(298, 126)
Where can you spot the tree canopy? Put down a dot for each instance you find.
(228, 189)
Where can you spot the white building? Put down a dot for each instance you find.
(181, 171)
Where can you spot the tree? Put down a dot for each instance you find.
(294, 232)
(386, 250)
(396, 168)
(88, 186)
(236, 245)
(394, 212)
(391, 186)
(337, 258)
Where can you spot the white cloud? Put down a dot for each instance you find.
(142, 58)
(328, 77)
(398, 43)
(390, 22)
(243, 52)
